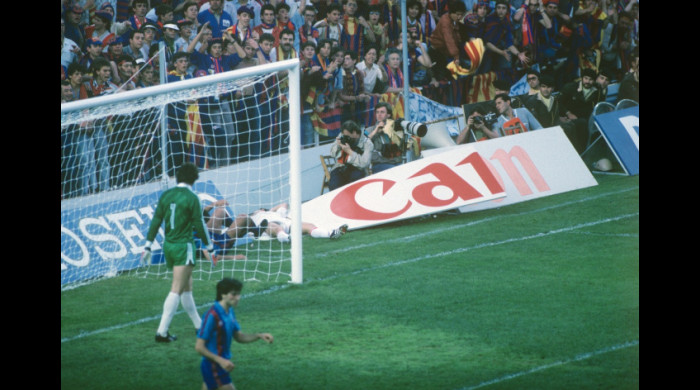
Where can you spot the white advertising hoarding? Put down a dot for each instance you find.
(529, 165)
(432, 184)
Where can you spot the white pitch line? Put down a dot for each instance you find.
(467, 224)
(577, 358)
(392, 264)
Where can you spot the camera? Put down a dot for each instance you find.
(391, 150)
(478, 120)
(413, 128)
(345, 139)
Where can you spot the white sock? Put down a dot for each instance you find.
(187, 301)
(320, 233)
(282, 237)
(172, 301)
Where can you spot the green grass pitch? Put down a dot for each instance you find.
(542, 294)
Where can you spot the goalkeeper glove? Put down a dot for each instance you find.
(146, 256)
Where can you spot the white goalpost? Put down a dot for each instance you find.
(119, 152)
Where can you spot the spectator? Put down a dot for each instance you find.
(283, 22)
(475, 20)
(375, 32)
(232, 7)
(307, 31)
(75, 144)
(75, 74)
(428, 22)
(311, 77)
(217, 112)
(498, 36)
(617, 44)
(353, 153)
(164, 15)
(420, 66)
(124, 72)
(246, 108)
(101, 29)
(93, 50)
(477, 127)
(133, 49)
(389, 142)
(285, 49)
(352, 31)
(74, 29)
(352, 95)
(329, 26)
(580, 97)
(371, 71)
(212, 62)
(218, 19)
(267, 21)
(546, 107)
(629, 86)
(151, 32)
(392, 68)
(503, 86)
(118, 27)
(550, 39)
(170, 35)
(265, 45)
(241, 31)
(533, 81)
(186, 36)
(532, 19)
(513, 120)
(98, 174)
(139, 8)
(201, 43)
(114, 50)
(147, 77)
(445, 42)
(70, 51)
(190, 10)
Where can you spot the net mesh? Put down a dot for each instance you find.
(113, 170)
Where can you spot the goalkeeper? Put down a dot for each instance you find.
(180, 208)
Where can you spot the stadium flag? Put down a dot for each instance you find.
(195, 138)
(424, 110)
(482, 87)
(528, 165)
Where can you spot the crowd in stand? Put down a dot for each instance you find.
(350, 53)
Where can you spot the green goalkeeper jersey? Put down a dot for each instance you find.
(180, 209)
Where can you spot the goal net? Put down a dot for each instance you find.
(119, 152)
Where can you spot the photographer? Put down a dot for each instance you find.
(387, 139)
(477, 128)
(352, 151)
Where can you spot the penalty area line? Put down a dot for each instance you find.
(578, 358)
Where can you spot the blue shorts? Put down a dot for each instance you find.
(214, 376)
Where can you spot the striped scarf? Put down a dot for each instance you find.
(352, 35)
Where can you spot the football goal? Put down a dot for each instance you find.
(120, 151)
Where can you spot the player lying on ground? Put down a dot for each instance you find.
(278, 224)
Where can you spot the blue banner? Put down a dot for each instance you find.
(104, 238)
(621, 131)
(424, 110)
